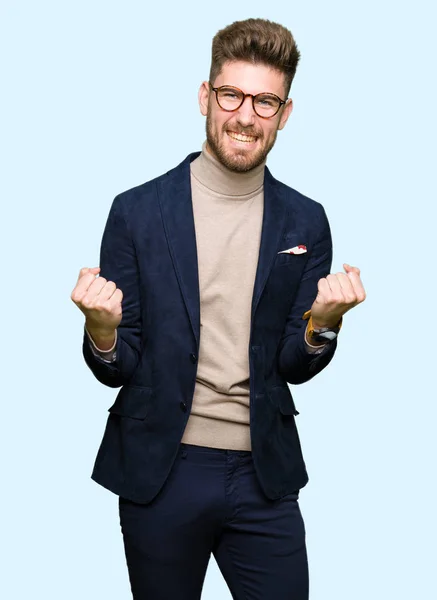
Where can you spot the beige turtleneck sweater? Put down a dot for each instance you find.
(228, 212)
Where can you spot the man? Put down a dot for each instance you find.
(214, 293)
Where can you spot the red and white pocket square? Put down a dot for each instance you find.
(295, 250)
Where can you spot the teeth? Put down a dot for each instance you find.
(241, 137)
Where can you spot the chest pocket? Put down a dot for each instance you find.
(292, 240)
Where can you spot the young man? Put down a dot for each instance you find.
(215, 292)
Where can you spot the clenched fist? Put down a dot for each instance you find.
(337, 293)
(100, 302)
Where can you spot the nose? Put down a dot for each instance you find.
(245, 114)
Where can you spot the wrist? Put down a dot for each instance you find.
(330, 322)
(103, 339)
(324, 324)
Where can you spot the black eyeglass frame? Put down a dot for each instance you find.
(253, 96)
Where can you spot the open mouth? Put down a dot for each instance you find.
(242, 137)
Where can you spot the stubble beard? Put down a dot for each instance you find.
(239, 162)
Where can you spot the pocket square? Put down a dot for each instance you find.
(295, 250)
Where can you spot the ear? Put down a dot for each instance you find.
(286, 111)
(204, 98)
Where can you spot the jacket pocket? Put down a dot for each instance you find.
(283, 399)
(132, 401)
(291, 260)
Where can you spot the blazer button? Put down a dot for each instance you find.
(183, 406)
(193, 358)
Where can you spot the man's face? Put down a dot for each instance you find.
(223, 126)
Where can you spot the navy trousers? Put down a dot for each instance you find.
(212, 503)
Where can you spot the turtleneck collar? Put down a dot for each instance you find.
(218, 178)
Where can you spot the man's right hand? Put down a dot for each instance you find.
(100, 302)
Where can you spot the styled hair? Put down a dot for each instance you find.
(258, 41)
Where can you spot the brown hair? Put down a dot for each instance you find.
(256, 41)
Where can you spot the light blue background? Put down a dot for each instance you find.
(77, 129)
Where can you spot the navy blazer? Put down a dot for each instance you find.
(149, 250)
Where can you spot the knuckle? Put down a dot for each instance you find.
(77, 297)
(88, 302)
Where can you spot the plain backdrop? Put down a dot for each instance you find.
(98, 97)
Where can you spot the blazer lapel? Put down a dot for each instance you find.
(273, 226)
(174, 194)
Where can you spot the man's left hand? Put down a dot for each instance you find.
(336, 295)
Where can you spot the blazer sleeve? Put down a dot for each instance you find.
(295, 363)
(118, 263)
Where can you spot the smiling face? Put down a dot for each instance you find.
(241, 139)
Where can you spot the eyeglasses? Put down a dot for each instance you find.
(230, 98)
